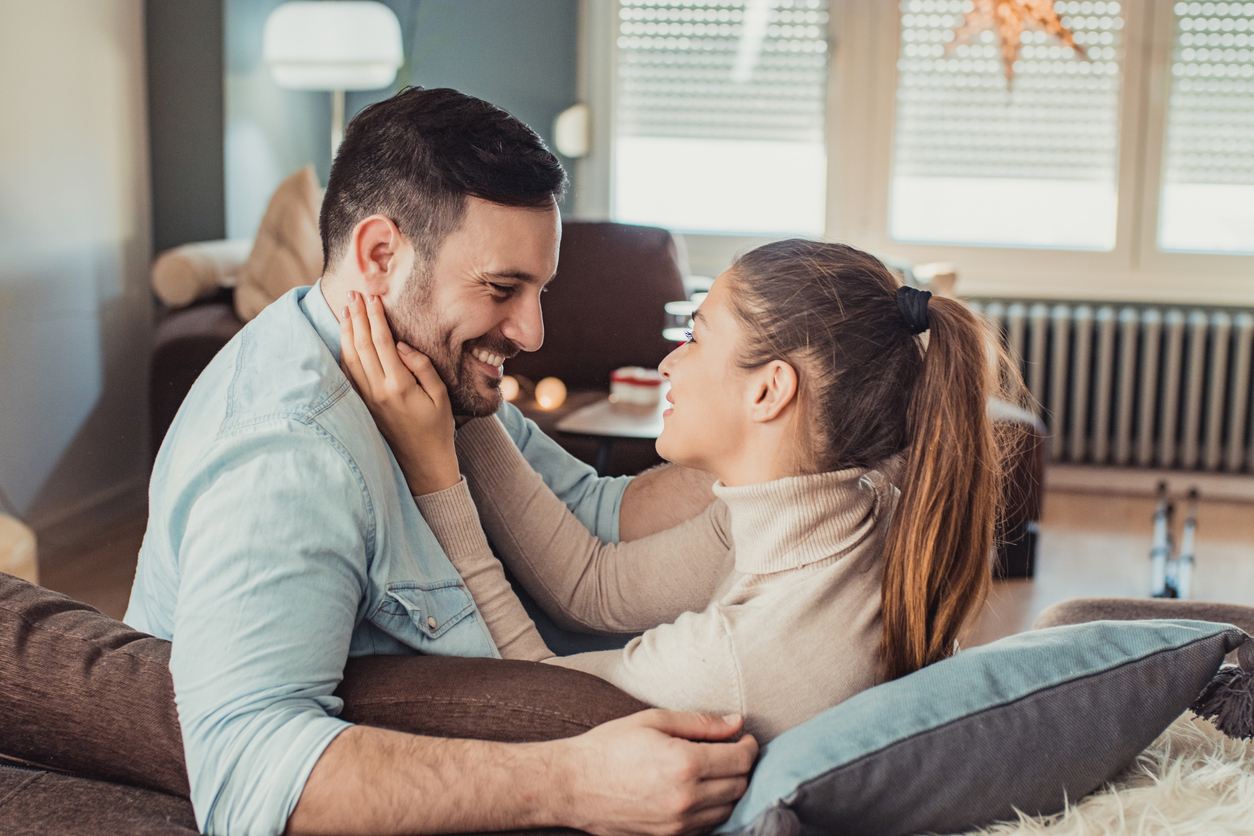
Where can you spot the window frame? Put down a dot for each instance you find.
(865, 43)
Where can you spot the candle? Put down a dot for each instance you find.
(550, 393)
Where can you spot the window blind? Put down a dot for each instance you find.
(1208, 166)
(955, 116)
(1210, 122)
(719, 112)
(1033, 164)
(722, 69)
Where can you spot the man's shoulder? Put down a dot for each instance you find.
(281, 369)
(276, 376)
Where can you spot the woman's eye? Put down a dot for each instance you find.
(688, 337)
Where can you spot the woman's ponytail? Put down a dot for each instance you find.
(936, 559)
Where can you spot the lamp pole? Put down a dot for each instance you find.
(337, 121)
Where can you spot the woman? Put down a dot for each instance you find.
(858, 479)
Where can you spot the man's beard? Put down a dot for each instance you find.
(414, 322)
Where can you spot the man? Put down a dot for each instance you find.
(282, 538)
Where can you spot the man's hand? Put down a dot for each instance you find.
(643, 774)
(649, 774)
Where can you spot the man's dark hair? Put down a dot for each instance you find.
(416, 157)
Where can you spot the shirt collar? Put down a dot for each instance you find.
(318, 312)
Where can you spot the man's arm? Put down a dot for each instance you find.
(272, 530)
(661, 498)
(635, 775)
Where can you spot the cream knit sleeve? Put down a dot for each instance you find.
(688, 665)
(582, 582)
(450, 514)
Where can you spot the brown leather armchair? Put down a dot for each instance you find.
(604, 310)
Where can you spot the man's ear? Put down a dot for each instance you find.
(380, 254)
(774, 389)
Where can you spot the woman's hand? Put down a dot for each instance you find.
(404, 394)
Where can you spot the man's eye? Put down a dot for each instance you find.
(501, 289)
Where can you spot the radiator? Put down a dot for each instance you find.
(1136, 386)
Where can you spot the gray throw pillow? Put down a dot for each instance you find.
(1021, 724)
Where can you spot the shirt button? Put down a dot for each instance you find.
(431, 622)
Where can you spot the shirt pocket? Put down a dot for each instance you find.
(432, 608)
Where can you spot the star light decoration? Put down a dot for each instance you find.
(1009, 18)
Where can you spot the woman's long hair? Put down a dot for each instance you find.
(869, 389)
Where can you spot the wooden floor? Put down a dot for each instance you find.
(1090, 545)
(1098, 546)
(98, 572)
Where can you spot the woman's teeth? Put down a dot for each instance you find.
(486, 357)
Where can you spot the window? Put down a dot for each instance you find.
(1208, 177)
(1127, 173)
(978, 161)
(720, 120)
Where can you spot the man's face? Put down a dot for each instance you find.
(479, 303)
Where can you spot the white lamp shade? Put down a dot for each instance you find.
(346, 45)
(571, 129)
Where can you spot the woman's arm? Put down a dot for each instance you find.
(584, 583)
(451, 515)
(688, 665)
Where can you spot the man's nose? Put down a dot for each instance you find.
(525, 325)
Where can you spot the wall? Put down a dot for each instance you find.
(74, 251)
(518, 54)
(183, 43)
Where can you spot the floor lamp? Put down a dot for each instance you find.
(334, 45)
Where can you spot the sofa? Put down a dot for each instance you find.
(91, 743)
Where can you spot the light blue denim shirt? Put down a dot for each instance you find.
(281, 540)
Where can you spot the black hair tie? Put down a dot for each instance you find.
(912, 303)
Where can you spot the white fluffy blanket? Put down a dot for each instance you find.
(1191, 781)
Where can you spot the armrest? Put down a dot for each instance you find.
(189, 272)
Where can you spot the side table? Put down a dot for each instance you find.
(602, 421)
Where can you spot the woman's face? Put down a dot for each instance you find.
(708, 420)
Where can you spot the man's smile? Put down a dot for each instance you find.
(492, 363)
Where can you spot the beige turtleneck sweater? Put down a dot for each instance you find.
(766, 605)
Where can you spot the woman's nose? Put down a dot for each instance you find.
(664, 368)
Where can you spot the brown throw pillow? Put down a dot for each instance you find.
(85, 694)
(287, 251)
(81, 692)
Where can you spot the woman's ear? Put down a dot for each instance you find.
(380, 254)
(774, 390)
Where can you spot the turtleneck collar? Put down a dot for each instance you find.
(788, 523)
